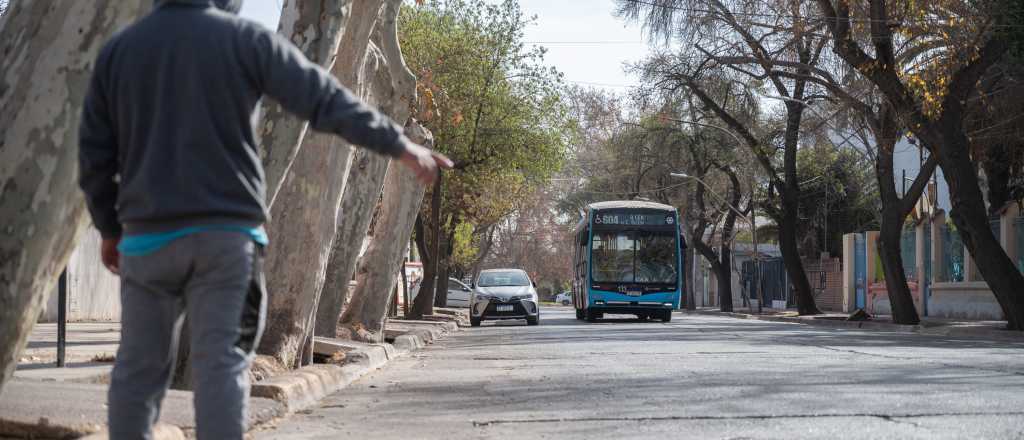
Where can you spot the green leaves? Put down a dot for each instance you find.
(492, 105)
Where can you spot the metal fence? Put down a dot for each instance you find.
(953, 254)
(908, 250)
(771, 281)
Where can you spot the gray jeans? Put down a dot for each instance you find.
(216, 278)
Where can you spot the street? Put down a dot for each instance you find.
(696, 377)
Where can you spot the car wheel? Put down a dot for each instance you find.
(565, 303)
(666, 316)
(533, 321)
(475, 322)
(591, 315)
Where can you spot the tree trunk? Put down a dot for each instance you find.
(485, 249)
(362, 185)
(362, 192)
(376, 280)
(969, 215)
(691, 259)
(900, 299)
(894, 213)
(424, 302)
(305, 217)
(49, 49)
(444, 266)
(302, 231)
(791, 259)
(316, 27)
(725, 279)
(788, 236)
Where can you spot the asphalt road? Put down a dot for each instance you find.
(696, 377)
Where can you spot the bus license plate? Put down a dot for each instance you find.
(633, 293)
(504, 308)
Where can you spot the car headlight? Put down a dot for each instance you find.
(530, 297)
(483, 297)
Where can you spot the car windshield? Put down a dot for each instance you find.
(634, 257)
(505, 278)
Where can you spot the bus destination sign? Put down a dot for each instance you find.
(634, 219)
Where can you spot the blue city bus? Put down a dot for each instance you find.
(628, 259)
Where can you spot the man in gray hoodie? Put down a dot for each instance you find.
(174, 183)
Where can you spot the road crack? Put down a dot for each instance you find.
(895, 418)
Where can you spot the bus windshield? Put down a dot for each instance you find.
(634, 257)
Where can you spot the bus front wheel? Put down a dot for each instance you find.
(666, 316)
(579, 314)
(591, 315)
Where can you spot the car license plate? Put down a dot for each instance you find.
(504, 308)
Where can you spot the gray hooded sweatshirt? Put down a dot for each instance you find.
(166, 139)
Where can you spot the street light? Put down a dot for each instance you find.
(751, 220)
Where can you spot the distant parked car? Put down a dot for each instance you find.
(504, 294)
(458, 293)
(564, 298)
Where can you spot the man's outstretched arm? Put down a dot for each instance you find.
(312, 93)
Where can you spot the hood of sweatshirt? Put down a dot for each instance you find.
(232, 6)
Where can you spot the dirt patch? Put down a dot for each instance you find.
(264, 367)
(105, 358)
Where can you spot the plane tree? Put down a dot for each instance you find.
(493, 107)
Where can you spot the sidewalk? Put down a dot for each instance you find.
(89, 353)
(43, 401)
(928, 326)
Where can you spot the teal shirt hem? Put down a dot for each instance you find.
(142, 244)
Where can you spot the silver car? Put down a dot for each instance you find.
(504, 294)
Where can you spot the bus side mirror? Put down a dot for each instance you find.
(682, 241)
(584, 235)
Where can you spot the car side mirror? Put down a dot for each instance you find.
(534, 283)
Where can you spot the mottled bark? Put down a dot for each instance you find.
(364, 181)
(48, 53)
(316, 27)
(361, 194)
(376, 277)
(305, 218)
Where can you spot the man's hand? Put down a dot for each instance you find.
(110, 255)
(424, 162)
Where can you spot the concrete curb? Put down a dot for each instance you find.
(303, 388)
(983, 332)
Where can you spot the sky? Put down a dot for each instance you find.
(585, 41)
